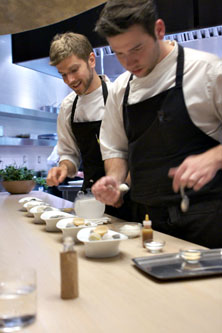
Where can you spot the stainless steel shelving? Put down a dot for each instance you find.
(17, 112)
(10, 141)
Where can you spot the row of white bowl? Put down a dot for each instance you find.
(57, 220)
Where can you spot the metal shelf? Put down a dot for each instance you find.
(9, 141)
(17, 112)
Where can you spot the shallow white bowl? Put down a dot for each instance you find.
(38, 210)
(130, 229)
(51, 219)
(30, 204)
(101, 248)
(69, 229)
(27, 199)
(89, 208)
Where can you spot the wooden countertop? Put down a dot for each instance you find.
(114, 295)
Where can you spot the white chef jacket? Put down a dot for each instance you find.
(89, 107)
(202, 88)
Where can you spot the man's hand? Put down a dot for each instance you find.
(106, 190)
(197, 170)
(57, 175)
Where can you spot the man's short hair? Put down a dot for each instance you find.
(119, 15)
(67, 44)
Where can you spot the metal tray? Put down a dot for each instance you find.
(172, 266)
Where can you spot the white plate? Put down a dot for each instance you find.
(76, 182)
(72, 230)
(51, 219)
(27, 199)
(38, 210)
(30, 204)
(101, 248)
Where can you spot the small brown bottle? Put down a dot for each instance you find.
(69, 270)
(147, 231)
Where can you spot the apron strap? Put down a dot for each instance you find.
(104, 90)
(180, 66)
(126, 95)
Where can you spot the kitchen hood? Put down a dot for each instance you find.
(207, 39)
(190, 26)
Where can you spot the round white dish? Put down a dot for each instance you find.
(154, 246)
(33, 203)
(51, 218)
(26, 199)
(131, 229)
(101, 248)
(38, 210)
(70, 230)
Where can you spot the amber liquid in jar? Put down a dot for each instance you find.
(147, 231)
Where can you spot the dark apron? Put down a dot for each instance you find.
(87, 136)
(160, 136)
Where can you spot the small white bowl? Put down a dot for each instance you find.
(154, 246)
(131, 229)
(100, 248)
(27, 199)
(30, 204)
(69, 229)
(51, 218)
(88, 207)
(38, 210)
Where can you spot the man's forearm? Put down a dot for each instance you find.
(117, 168)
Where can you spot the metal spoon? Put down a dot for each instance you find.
(184, 205)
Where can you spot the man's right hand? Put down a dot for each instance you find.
(106, 190)
(57, 175)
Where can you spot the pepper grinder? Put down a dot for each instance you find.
(69, 270)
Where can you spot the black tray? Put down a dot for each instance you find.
(172, 266)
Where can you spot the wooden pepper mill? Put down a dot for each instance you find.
(69, 270)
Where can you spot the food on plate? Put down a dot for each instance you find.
(101, 230)
(43, 208)
(94, 236)
(56, 216)
(102, 233)
(67, 210)
(107, 236)
(77, 221)
(116, 236)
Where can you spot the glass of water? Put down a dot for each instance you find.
(17, 298)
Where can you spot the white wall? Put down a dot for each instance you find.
(23, 87)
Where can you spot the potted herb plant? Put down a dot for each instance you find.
(19, 180)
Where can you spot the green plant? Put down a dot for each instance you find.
(12, 172)
(41, 181)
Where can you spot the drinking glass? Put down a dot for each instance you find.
(17, 298)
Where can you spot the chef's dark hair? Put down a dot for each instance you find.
(119, 15)
(64, 45)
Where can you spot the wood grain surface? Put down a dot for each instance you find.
(113, 295)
